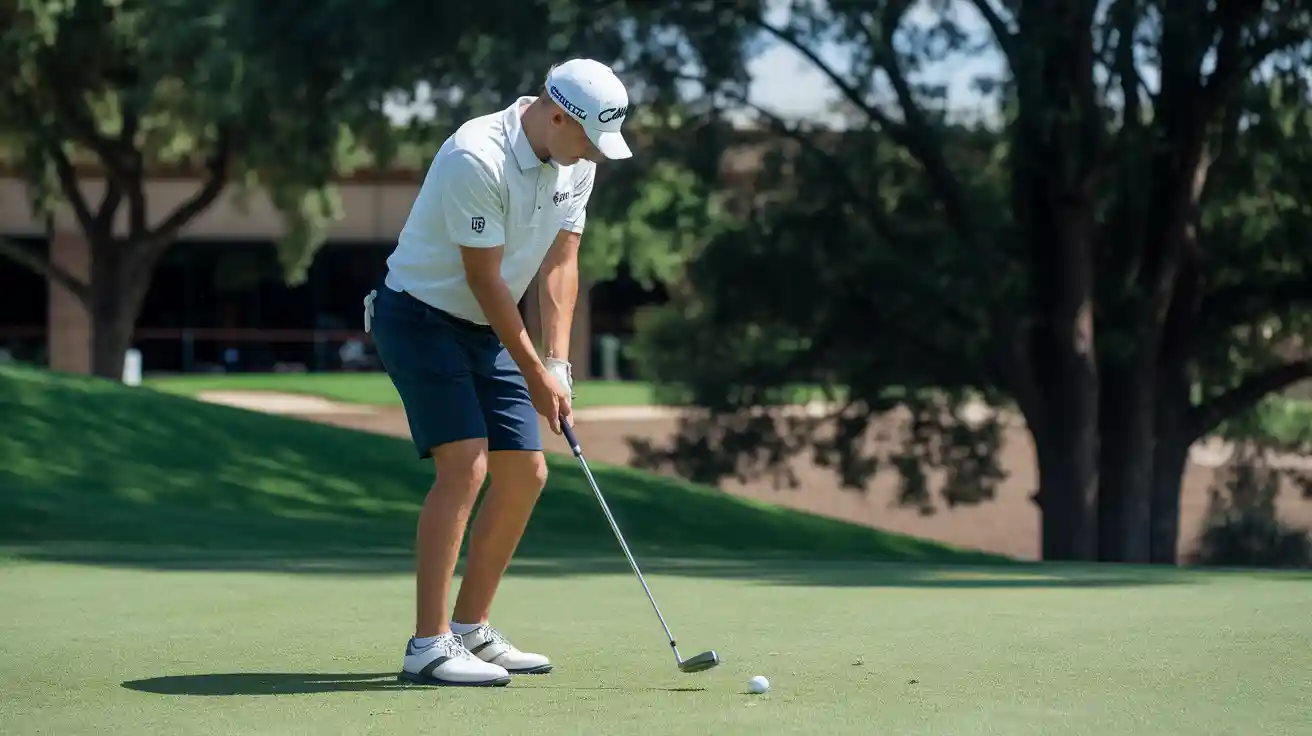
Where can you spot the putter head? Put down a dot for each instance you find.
(700, 662)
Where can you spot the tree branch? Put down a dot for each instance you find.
(1231, 64)
(68, 183)
(1004, 35)
(133, 172)
(1207, 416)
(1290, 36)
(158, 239)
(44, 267)
(915, 135)
(104, 220)
(881, 220)
(1125, 15)
(1243, 303)
(849, 91)
(918, 134)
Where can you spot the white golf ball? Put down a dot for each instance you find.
(758, 684)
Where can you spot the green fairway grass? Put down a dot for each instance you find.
(374, 388)
(93, 461)
(174, 567)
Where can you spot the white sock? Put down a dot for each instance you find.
(424, 642)
(460, 629)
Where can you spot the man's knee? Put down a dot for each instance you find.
(519, 469)
(461, 466)
(540, 471)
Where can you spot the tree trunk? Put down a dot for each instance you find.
(111, 336)
(1067, 484)
(1169, 463)
(1126, 468)
(1056, 155)
(120, 278)
(1170, 458)
(1066, 369)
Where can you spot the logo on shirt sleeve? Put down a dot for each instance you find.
(477, 224)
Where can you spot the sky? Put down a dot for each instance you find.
(789, 85)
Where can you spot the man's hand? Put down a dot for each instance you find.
(561, 371)
(551, 398)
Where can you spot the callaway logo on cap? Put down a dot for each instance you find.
(591, 93)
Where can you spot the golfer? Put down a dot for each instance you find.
(505, 198)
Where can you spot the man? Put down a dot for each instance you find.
(505, 197)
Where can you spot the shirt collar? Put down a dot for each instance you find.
(524, 154)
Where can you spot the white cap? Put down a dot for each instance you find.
(590, 93)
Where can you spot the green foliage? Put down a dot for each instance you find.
(1277, 422)
(283, 100)
(819, 286)
(924, 262)
(288, 100)
(1243, 527)
(654, 220)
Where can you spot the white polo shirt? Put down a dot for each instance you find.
(484, 188)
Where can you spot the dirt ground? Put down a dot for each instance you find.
(1008, 525)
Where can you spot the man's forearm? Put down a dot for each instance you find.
(557, 297)
(503, 314)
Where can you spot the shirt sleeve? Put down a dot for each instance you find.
(577, 215)
(471, 201)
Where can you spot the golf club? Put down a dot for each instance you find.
(696, 663)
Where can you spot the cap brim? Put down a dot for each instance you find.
(611, 144)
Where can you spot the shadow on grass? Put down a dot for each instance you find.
(301, 683)
(852, 573)
(267, 683)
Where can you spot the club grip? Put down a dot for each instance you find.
(570, 438)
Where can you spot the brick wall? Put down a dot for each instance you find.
(70, 324)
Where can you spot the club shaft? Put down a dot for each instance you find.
(632, 563)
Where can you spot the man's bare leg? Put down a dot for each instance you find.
(461, 468)
(517, 480)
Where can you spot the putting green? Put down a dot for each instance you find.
(251, 645)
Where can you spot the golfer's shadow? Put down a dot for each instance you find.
(294, 683)
(267, 683)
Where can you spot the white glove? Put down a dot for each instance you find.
(369, 310)
(560, 370)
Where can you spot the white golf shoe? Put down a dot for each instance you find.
(447, 662)
(489, 645)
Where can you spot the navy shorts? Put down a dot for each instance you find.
(455, 378)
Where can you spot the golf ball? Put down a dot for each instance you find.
(758, 684)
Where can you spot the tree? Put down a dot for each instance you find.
(276, 99)
(655, 216)
(244, 96)
(1094, 255)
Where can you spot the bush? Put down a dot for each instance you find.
(1242, 526)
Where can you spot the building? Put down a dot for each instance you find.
(218, 301)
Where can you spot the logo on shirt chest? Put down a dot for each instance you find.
(559, 197)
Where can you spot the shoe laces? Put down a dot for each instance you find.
(492, 634)
(452, 646)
